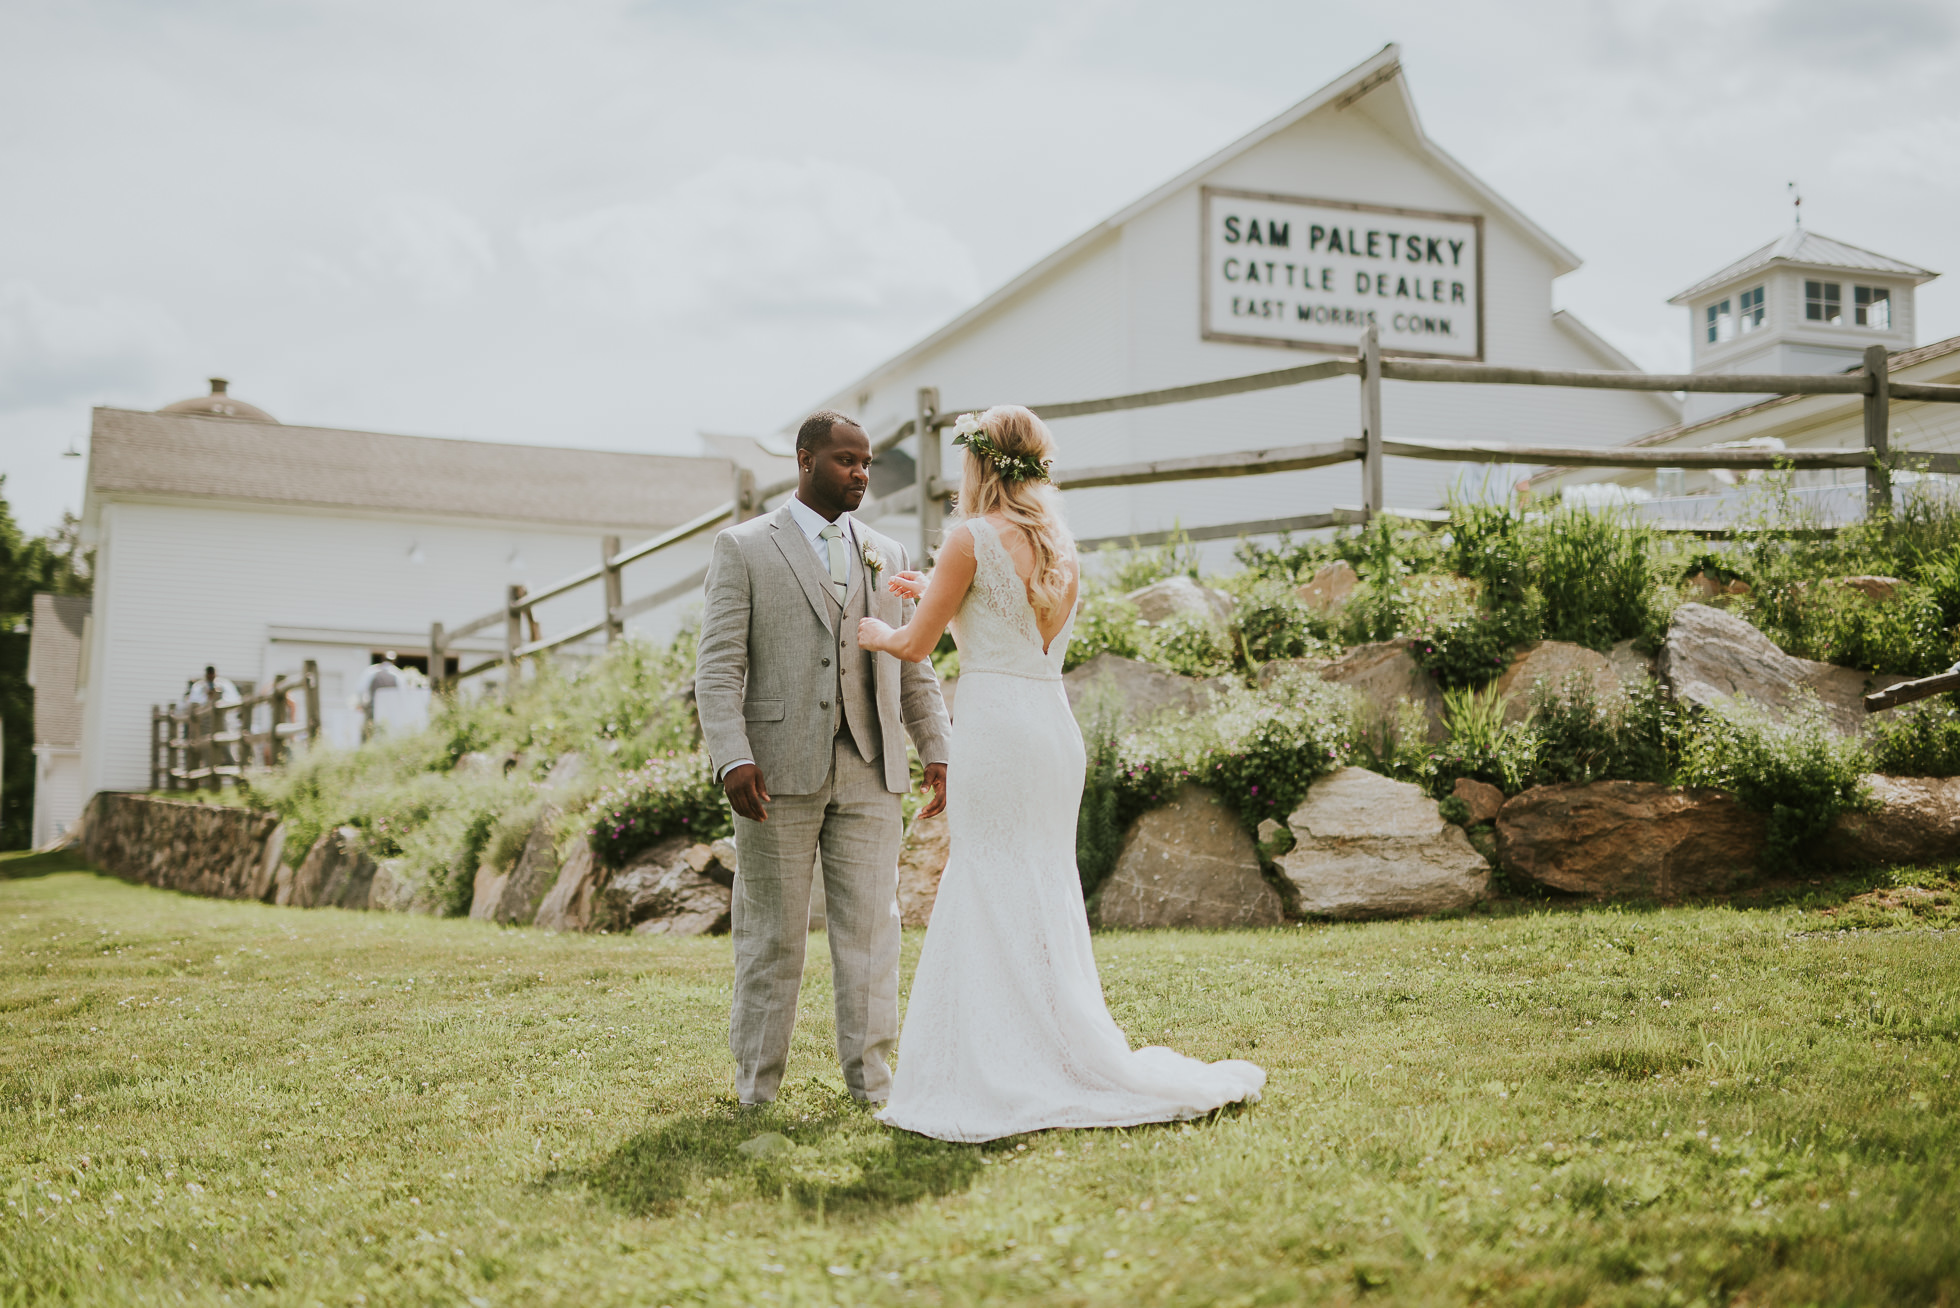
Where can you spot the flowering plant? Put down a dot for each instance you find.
(873, 560)
(970, 432)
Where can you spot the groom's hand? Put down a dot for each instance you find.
(747, 794)
(935, 781)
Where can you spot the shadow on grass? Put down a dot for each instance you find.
(18, 866)
(813, 1145)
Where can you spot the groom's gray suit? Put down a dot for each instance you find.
(780, 680)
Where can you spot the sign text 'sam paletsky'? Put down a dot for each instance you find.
(1286, 270)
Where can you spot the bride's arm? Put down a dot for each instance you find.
(951, 578)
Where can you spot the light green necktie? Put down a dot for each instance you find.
(840, 576)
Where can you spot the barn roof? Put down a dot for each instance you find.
(196, 456)
(54, 658)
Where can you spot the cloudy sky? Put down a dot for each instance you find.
(616, 223)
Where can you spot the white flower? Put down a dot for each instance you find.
(968, 424)
(874, 561)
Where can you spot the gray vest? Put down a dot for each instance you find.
(856, 701)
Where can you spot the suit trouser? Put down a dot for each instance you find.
(857, 824)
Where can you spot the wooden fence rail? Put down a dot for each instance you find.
(930, 492)
(197, 746)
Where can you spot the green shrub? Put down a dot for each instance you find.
(1481, 745)
(674, 794)
(1104, 812)
(1271, 623)
(1918, 740)
(1471, 649)
(1191, 645)
(1595, 574)
(1108, 623)
(1124, 570)
(1791, 767)
(1633, 738)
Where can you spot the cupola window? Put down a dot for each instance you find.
(1871, 306)
(1721, 322)
(1823, 302)
(1751, 316)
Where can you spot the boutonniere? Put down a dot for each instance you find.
(873, 561)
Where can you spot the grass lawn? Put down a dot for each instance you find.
(222, 1103)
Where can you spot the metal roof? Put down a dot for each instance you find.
(195, 456)
(1798, 246)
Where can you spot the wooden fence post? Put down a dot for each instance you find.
(932, 509)
(744, 495)
(1878, 434)
(438, 657)
(157, 769)
(513, 637)
(274, 719)
(311, 671)
(1371, 424)
(615, 593)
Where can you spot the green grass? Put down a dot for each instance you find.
(222, 1103)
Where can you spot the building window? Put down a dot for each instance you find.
(1871, 306)
(1822, 303)
(1721, 322)
(1751, 316)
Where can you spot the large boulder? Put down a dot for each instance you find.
(487, 892)
(1331, 588)
(1607, 838)
(921, 862)
(1631, 666)
(1711, 656)
(533, 875)
(1386, 676)
(1145, 691)
(568, 906)
(1916, 821)
(1180, 597)
(1481, 800)
(1369, 846)
(1188, 864)
(663, 892)
(336, 873)
(1553, 664)
(393, 891)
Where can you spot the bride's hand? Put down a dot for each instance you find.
(908, 585)
(873, 634)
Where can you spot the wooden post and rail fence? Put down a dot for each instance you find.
(1371, 449)
(198, 746)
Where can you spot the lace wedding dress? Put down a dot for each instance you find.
(1007, 1031)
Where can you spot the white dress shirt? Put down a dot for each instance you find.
(813, 524)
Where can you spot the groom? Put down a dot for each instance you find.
(803, 729)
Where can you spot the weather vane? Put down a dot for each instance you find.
(1796, 203)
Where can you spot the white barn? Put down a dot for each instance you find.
(225, 537)
(1276, 249)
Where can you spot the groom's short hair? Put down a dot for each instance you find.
(815, 430)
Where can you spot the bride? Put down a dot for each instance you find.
(1007, 1031)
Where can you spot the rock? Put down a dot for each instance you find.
(921, 862)
(1274, 838)
(1145, 691)
(725, 864)
(265, 877)
(1178, 596)
(1482, 799)
(1631, 666)
(680, 902)
(391, 890)
(1386, 676)
(567, 770)
(568, 907)
(489, 889)
(1273, 671)
(1917, 821)
(1330, 589)
(336, 873)
(535, 872)
(1551, 663)
(224, 851)
(1711, 656)
(1878, 589)
(1370, 846)
(1606, 838)
(1188, 864)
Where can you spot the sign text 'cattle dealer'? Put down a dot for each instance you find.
(1284, 270)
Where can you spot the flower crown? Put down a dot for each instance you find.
(970, 432)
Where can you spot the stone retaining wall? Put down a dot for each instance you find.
(217, 850)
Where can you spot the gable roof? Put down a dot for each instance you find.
(1798, 246)
(54, 659)
(1375, 86)
(193, 456)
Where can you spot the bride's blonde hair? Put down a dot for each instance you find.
(1033, 507)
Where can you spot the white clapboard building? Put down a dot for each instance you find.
(227, 538)
(1275, 251)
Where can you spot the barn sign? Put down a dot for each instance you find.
(1313, 274)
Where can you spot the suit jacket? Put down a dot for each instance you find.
(765, 662)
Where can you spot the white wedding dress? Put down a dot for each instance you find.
(1007, 1031)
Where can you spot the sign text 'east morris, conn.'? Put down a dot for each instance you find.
(1285, 270)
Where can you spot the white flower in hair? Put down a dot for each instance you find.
(968, 424)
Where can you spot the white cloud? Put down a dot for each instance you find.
(800, 243)
(426, 246)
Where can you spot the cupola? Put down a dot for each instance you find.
(220, 403)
